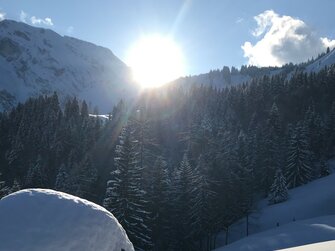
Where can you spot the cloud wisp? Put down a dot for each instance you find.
(24, 17)
(38, 21)
(2, 15)
(283, 39)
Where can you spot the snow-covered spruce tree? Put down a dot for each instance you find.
(4, 190)
(324, 168)
(243, 179)
(124, 196)
(278, 191)
(315, 130)
(62, 177)
(201, 204)
(86, 177)
(160, 205)
(272, 147)
(15, 187)
(184, 193)
(36, 176)
(299, 165)
(330, 131)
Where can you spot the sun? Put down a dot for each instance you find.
(155, 60)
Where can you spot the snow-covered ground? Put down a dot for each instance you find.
(306, 202)
(321, 246)
(290, 235)
(47, 220)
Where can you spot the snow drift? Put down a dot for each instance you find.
(290, 235)
(41, 219)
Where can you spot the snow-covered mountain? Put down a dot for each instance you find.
(37, 61)
(322, 62)
(227, 77)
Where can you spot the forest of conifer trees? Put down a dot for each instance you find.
(179, 165)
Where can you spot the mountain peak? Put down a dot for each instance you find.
(38, 61)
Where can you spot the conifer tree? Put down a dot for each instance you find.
(124, 196)
(202, 203)
(86, 178)
(324, 168)
(62, 177)
(4, 190)
(36, 175)
(272, 157)
(15, 187)
(160, 205)
(184, 192)
(278, 191)
(299, 165)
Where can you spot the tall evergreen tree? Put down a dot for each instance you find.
(86, 179)
(4, 190)
(299, 165)
(36, 176)
(273, 147)
(184, 192)
(124, 196)
(278, 192)
(324, 168)
(202, 204)
(62, 179)
(160, 205)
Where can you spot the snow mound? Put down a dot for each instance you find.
(290, 235)
(322, 246)
(42, 219)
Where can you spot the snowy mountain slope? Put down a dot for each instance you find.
(39, 61)
(222, 78)
(327, 60)
(321, 246)
(41, 219)
(309, 201)
(290, 235)
(214, 79)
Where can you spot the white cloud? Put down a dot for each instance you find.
(25, 18)
(38, 21)
(283, 39)
(69, 30)
(2, 15)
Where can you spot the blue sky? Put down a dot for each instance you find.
(210, 33)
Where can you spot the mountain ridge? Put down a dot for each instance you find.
(36, 61)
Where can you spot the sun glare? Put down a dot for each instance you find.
(155, 60)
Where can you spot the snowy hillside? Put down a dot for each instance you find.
(305, 202)
(226, 78)
(39, 61)
(321, 246)
(290, 235)
(326, 60)
(215, 79)
(40, 220)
